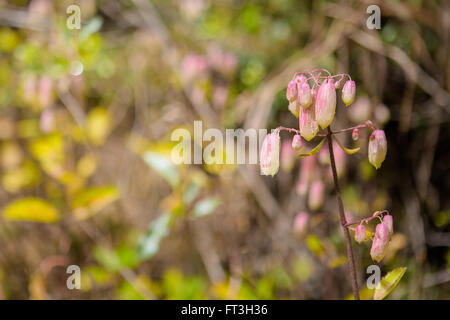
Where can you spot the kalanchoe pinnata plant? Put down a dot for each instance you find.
(312, 98)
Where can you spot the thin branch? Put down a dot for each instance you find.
(351, 261)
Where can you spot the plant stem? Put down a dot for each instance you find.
(351, 261)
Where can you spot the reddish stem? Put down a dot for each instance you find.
(351, 262)
(365, 220)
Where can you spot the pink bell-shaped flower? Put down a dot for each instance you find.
(360, 233)
(377, 148)
(325, 103)
(270, 154)
(297, 142)
(388, 222)
(348, 92)
(307, 123)
(304, 95)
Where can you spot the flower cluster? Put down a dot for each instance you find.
(383, 233)
(312, 99)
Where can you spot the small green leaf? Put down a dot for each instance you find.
(315, 245)
(388, 283)
(31, 209)
(347, 150)
(148, 244)
(206, 206)
(92, 200)
(163, 166)
(315, 150)
(91, 27)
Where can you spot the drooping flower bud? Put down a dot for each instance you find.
(377, 148)
(369, 125)
(337, 85)
(304, 95)
(291, 91)
(294, 108)
(355, 134)
(360, 233)
(307, 124)
(380, 242)
(270, 154)
(316, 195)
(301, 223)
(378, 250)
(325, 103)
(348, 92)
(300, 79)
(297, 142)
(388, 222)
(382, 232)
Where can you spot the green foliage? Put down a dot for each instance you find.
(31, 209)
(388, 283)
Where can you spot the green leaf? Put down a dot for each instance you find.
(388, 283)
(315, 150)
(108, 258)
(91, 27)
(31, 209)
(315, 245)
(163, 166)
(92, 200)
(347, 150)
(206, 206)
(148, 244)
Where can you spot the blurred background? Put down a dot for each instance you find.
(85, 173)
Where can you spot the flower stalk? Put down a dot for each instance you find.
(348, 241)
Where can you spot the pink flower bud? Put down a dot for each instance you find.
(337, 85)
(307, 123)
(294, 108)
(388, 222)
(378, 250)
(348, 92)
(304, 95)
(325, 103)
(369, 125)
(301, 223)
(377, 148)
(382, 232)
(270, 154)
(300, 79)
(297, 142)
(291, 91)
(316, 195)
(360, 233)
(355, 134)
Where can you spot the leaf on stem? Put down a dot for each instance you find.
(313, 151)
(388, 283)
(347, 150)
